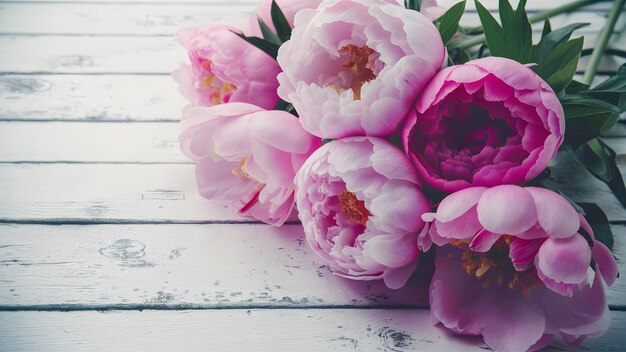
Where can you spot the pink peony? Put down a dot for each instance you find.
(360, 204)
(247, 157)
(514, 268)
(355, 67)
(225, 68)
(488, 122)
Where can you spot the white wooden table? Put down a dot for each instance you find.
(104, 242)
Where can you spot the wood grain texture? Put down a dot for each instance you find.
(251, 330)
(136, 19)
(73, 267)
(178, 266)
(150, 142)
(164, 193)
(90, 98)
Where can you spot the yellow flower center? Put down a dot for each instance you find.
(219, 89)
(353, 208)
(494, 267)
(241, 169)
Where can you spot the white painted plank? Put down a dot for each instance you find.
(166, 19)
(108, 54)
(73, 267)
(251, 330)
(198, 266)
(163, 192)
(105, 192)
(88, 97)
(114, 19)
(149, 142)
(111, 54)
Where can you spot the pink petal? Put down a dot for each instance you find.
(605, 262)
(392, 250)
(522, 252)
(555, 215)
(564, 260)
(458, 203)
(484, 240)
(507, 209)
(396, 278)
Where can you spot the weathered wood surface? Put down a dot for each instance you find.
(90, 98)
(178, 266)
(192, 266)
(92, 204)
(250, 330)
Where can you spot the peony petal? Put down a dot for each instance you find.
(507, 209)
(458, 203)
(554, 213)
(564, 260)
(484, 240)
(392, 250)
(522, 252)
(396, 278)
(605, 262)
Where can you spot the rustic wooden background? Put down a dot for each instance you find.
(104, 242)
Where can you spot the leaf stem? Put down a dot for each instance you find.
(603, 40)
(569, 7)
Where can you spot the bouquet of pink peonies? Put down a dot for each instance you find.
(396, 131)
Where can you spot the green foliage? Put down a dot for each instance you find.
(599, 159)
(512, 39)
(448, 24)
(414, 4)
(271, 41)
(599, 223)
(586, 118)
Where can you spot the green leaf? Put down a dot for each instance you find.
(270, 49)
(493, 32)
(599, 159)
(517, 30)
(552, 40)
(414, 4)
(268, 34)
(576, 87)
(547, 28)
(449, 22)
(559, 67)
(285, 106)
(612, 90)
(599, 223)
(586, 118)
(512, 39)
(280, 22)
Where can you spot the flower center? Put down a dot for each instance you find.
(219, 91)
(495, 267)
(353, 208)
(360, 64)
(241, 169)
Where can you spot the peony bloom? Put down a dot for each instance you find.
(514, 268)
(355, 67)
(488, 122)
(225, 68)
(360, 204)
(247, 157)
